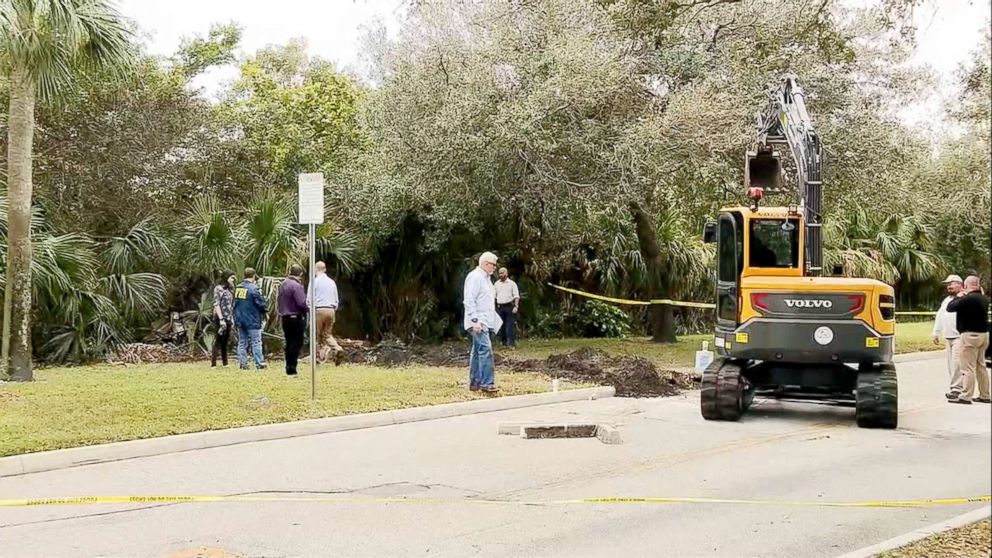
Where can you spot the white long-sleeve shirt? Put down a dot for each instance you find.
(326, 291)
(945, 325)
(480, 301)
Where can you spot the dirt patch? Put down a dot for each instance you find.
(631, 376)
(392, 352)
(143, 353)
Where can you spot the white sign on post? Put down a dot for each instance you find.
(311, 198)
(311, 212)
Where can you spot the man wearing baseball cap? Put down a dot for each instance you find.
(481, 318)
(945, 329)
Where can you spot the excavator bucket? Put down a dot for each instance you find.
(763, 170)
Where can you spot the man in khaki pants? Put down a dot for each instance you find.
(325, 293)
(945, 330)
(972, 309)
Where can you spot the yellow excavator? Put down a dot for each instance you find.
(783, 330)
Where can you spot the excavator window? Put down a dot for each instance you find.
(774, 243)
(728, 251)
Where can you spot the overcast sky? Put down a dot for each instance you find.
(948, 29)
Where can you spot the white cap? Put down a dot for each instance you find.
(490, 257)
(953, 279)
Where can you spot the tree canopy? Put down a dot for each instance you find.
(584, 141)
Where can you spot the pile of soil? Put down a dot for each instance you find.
(143, 353)
(631, 376)
(391, 352)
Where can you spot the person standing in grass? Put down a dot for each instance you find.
(293, 312)
(507, 304)
(325, 293)
(249, 311)
(481, 318)
(223, 317)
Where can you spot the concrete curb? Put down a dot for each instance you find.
(103, 453)
(925, 355)
(921, 533)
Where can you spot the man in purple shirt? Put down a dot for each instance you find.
(293, 313)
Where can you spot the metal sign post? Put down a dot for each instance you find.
(311, 212)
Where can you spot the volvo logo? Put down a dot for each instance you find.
(807, 303)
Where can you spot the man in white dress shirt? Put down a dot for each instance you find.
(325, 291)
(481, 318)
(507, 305)
(945, 330)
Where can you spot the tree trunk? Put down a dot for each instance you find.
(17, 298)
(661, 317)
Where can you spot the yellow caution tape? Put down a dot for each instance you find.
(634, 302)
(671, 302)
(600, 297)
(119, 500)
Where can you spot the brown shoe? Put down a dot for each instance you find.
(474, 387)
(489, 389)
(982, 400)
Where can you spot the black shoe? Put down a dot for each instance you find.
(983, 400)
(262, 367)
(960, 401)
(473, 387)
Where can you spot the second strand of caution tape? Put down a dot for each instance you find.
(670, 302)
(259, 498)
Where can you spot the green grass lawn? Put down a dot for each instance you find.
(70, 407)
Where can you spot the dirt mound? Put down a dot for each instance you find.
(143, 353)
(631, 376)
(393, 352)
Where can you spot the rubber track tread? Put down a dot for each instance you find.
(708, 400)
(722, 391)
(877, 398)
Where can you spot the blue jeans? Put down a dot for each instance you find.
(480, 364)
(255, 335)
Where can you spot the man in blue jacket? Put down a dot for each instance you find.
(249, 311)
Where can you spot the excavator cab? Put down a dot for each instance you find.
(782, 329)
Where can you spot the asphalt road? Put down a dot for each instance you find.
(779, 451)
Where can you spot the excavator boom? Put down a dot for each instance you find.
(786, 122)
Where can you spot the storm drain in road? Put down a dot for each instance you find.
(539, 431)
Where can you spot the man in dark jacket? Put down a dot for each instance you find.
(249, 311)
(972, 320)
(293, 313)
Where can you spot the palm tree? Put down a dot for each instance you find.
(897, 249)
(43, 43)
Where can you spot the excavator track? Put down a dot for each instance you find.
(877, 396)
(725, 393)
